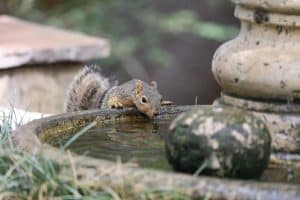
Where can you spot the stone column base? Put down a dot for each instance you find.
(282, 120)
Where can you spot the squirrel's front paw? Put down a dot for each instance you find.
(116, 106)
(115, 103)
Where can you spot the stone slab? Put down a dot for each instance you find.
(23, 42)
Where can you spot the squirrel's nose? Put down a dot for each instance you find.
(152, 114)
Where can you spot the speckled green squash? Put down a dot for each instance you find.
(223, 141)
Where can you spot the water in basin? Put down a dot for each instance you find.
(142, 143)
(139, 143)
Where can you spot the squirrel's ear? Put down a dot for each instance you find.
(153, 84)
(139, 87)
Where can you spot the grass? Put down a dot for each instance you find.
(24, 176)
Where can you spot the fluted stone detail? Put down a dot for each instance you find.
(263, 61)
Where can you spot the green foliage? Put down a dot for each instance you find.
(187, 21)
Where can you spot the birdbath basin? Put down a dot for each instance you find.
(129, 137)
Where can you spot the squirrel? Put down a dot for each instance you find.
(90, 89)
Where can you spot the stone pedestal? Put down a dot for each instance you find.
(40, 88)
(38, 62)
(260, 69)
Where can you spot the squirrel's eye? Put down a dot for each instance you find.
(144, 99)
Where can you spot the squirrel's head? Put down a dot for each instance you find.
(147, 98)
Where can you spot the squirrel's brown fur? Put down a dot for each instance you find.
(90, 89)
(87, 88)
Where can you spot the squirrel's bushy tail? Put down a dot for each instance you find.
(87, 89)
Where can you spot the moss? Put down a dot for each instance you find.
(231, 141)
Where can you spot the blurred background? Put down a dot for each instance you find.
(170, 41)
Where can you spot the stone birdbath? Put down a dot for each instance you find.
(259, 76)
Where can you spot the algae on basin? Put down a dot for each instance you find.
(141, 142)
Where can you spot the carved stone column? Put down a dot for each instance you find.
(260, 69)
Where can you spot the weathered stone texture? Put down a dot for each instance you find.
(38, 88)
(221, 141)
(24, 42)
(263, 61)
